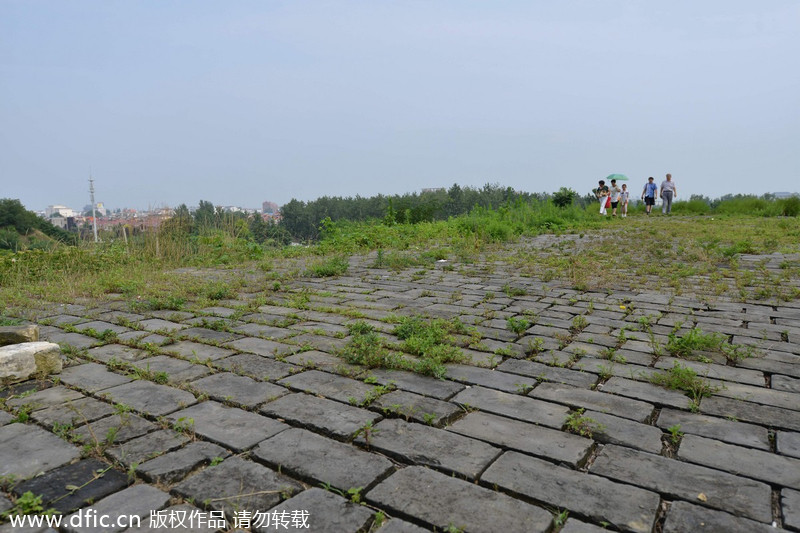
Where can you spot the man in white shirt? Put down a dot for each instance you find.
(668, 192)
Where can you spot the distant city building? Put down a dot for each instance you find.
(61, 210)
(270, 208)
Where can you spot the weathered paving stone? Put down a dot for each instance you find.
(95, 479)
(790, 503)
(597, 498)
(5, 504)
(597, 401)
(174, 466)
(219, 311)
(327, 513)
(231, 427)
(324, 361)
(256, 366)
(625, 432)
(686, 481)
(178, 517)
(122, 428)
(751, 412)
(524, 437)
(91, 377)
(553, 374)
(424, 445)
(325, 416)
(118, 352)
(45, 398)
(73, 413)
(713, 371)
(117, 316)
(417, 383)
(415, 407)
(27, 450)
(138, 500)
(646, 392)
(5, 418)
(171, 314)
(196, 351)
(157, 324)
(492, 379)
(60, 320)
(235, 485)
(576, 526)
(319, 342)
(241, 390)
(684, 517)
(177, 370)
(442, 501)
(208, 335)
(330, 385)
(716, 428)
(77, 341)
(785, 383)
(514, 406)
(150, 398)
(262, 347)
(395, 525)
(765, 466)
(100, 327)
(761, 395)
(316, 459)
(252, 329)
(788, 443)
(147, 446)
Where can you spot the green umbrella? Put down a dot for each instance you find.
(618, 177)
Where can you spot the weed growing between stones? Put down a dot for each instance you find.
(683, 378)
(582, 425)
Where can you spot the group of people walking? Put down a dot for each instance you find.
(614, 197)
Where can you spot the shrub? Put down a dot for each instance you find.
(564, 197)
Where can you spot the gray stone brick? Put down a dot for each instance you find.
(174, 466)
(597, 498)
(415, 407)
(241, 390)
(683, 517)
(597, 401)
(150, 398)
(327, 513)
(442, 501)
(256, 366)
(329, 385)
(91, 377)
(321, 415)
(27, 450)
(716, 428)
(514, 406)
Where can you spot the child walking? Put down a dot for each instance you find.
(623, 199)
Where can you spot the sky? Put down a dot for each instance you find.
(238, 102)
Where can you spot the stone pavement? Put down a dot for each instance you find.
(244, 409)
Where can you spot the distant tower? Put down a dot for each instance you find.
(94, 216)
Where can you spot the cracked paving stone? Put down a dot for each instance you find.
(318, 459)
(424, 445)
(241, 390)
(150, 398)
(237, 484)
(788, 443)
(136, 501)
(683, 517)
(229, 426)
(576, 526)
(147, 446)
(95, 480)
(27, 450)
(210, 335)
(625, 432)
(72, 413)
(514, 406)
(314, 359)
(177, 370)
(261, 347)
(790, 500)
(597, 498)
(91, 377)
(443, 501)
(327, 513)
(596, 401)
(75, 340)
(100, 327)
(415, 407)
(325, 416)
(157, 324)
(646, 392)
(761, 465)
(751, 412)
(177, 520)
(741, 433)
(331, 386)
(174, 466)
(116, 351)
(45, 398)
(492, 379)
(196, 351)
(685, 481)
(417, 383)
(524, 437)
(256, 366)
(122, 428)
(552, 374)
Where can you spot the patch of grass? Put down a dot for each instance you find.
(517, 325)
(579, 424)
(685, 379)
(328, 267)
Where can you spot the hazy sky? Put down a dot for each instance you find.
(238, 102)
